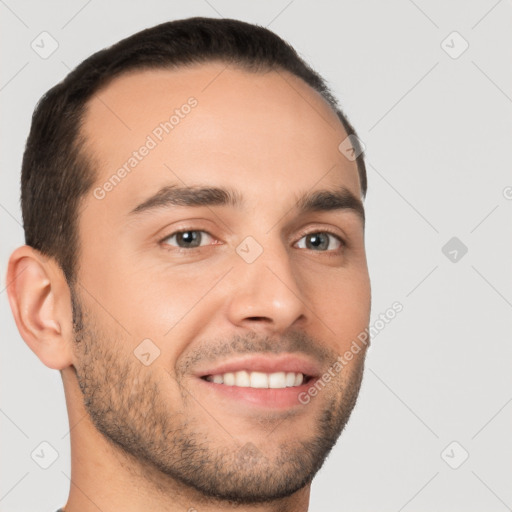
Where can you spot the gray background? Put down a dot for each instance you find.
(438, 136)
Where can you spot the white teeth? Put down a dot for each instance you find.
(290, 379)
(229, 379)
(259, 380)
(277, 380)
(244, 379)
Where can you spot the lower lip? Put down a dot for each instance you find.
(275, 398)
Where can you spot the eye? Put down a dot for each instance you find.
(187, 239)
(320, 240)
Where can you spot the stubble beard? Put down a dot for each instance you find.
(124, 400)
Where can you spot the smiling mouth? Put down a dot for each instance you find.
(259, 380)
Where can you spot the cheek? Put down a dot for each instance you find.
(167, 306)
(343, 305)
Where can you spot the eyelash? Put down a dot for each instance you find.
(329, 252)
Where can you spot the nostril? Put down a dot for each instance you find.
(264, 318)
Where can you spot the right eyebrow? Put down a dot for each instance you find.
(173, 195)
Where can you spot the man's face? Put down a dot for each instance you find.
(254, 294)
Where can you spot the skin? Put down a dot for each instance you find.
(149, 437)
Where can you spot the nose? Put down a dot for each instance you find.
(267, 296)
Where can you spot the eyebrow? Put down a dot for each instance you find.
(196, 196)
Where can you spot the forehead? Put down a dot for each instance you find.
(213, 124)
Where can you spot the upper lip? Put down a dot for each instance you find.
(264, 363)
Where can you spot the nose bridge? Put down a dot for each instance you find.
(266, 291)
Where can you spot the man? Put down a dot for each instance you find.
(194, 267)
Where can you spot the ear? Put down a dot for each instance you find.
(40, 301)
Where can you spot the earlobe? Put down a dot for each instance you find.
(40, 302)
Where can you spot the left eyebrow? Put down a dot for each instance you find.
(197, 196)
(328, 200)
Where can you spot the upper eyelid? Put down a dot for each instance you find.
(178, 231)
(341, 238)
